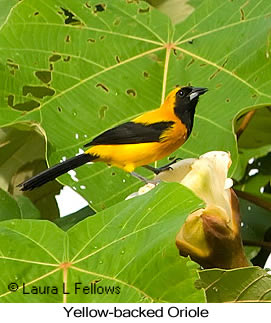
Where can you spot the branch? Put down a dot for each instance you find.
(262, 244)
(245, 123)
(254, 199)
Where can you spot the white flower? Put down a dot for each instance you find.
(211, 235)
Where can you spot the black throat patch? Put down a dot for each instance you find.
(185, 111)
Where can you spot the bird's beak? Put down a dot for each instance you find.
(197, 91)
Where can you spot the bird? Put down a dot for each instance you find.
(149, 137)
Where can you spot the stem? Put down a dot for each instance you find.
(263, 244)
(254, 199)
(245, 123)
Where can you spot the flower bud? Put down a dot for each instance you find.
(210, 236)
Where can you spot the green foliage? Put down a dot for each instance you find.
(80, 67)
(255, 222)
(258, 183)
(238, 285)
(22, 155)
(255, 142)
(5, 7)
(123, 68)
(70, 220)
(130, 245)
(19, 208)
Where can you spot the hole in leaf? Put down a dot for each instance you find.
(116, 21)
(113, 174)
(66, 58)
(214, 74)
(44, 76)
(59, 109)
(102, 111)
(70, 17)
(175, 52)
(117, 59)
(91, 40)
(54, 58)
(253, 172)
(67, 39)
(131, 92)
(242, 13)
(87, 5)
(254, 96)
(102, 37)
(13, 67)
(228, 100)
(102, 86)
(38, 91)
(99, 7)
(192, 61)
(36, 13)
(146, 74)
(10, 100)
(144, 10)
(219, 70)
(190, 41)
(26, 106)
(201, 65)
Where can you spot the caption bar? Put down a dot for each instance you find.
(138, 312)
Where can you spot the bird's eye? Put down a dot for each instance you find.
(181, 93)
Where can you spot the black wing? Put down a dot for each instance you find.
(131, 133)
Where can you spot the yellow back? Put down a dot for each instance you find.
(164, 113)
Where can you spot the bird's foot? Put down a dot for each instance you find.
(162, 168)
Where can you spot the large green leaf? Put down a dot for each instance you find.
(66, 222)
(130, 245)
(5, 7)
(21, 208)
(78, 75)
(9, 208)
(250, 284)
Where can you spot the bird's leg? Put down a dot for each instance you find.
(144, 179)
(162, 168)
(151, 168)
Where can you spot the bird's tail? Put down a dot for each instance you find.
(55, 171)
